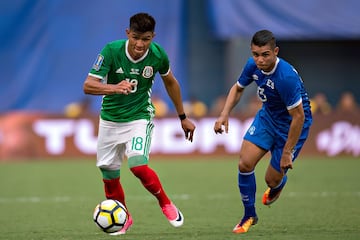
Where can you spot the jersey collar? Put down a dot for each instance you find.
(273, 70)
(129, 56)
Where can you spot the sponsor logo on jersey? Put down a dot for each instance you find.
(135, 71)
(98, 62)
(255, 77)
(119, 70)
(148, 72)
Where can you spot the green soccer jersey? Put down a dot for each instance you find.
(113, 65)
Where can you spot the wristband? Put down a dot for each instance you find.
(182, 116)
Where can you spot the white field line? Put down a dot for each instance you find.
(185, 197)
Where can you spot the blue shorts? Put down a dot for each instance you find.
(266, 135)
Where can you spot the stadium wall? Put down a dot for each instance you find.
(32, 136)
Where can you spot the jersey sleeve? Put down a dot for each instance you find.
(290, 90)
(160, 53)
(246, 75)
(102, 64)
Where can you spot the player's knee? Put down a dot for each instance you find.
(273, 177)
(245, 166)
(272, 181)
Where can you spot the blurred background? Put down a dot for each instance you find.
(47, 48)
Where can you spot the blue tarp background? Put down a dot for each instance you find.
(290, 19)
(48, 46)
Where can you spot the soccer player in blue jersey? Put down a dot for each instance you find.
(281, 126)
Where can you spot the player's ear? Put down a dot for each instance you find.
(127, 31)
(276, 50)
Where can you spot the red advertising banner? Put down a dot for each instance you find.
(34, 136)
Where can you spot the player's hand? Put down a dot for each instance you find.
(286, 162)
(189, 128)
(123, 87)
(220, 122)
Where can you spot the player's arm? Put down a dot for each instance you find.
(232, 99)
(94, 86)
(297, 122)
(173, 89)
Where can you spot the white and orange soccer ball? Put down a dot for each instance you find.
(110, 215)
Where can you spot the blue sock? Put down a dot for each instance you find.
(247, 187)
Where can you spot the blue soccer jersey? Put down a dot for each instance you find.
(279, 90)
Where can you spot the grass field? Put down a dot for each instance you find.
(55, 199)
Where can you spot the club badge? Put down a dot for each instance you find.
(148, 72)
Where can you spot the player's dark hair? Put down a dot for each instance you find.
(264, 37)
(142, 22)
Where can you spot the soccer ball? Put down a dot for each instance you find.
(110, 215)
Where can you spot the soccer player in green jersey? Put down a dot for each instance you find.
(124, 73)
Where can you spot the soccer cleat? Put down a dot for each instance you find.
(245, 224)
(270, 196)
(126, 227)
(173, 214)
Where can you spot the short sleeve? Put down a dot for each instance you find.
(163, 65)
(246, 76)
(102, 63)
(290, 90)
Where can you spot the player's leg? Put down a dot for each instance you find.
(256, 143)
(114, 190)
(276, 182)
(110, 154)
(151, 182)
(138, 158)
(112, 186)
(250, 154)
(275, 178)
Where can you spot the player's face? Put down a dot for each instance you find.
(264, 56)
(139, 43)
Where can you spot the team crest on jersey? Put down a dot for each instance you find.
(270, 84)
(148, 72)
(252, 130)
(98, 62)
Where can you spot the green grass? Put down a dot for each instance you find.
(55, 199)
